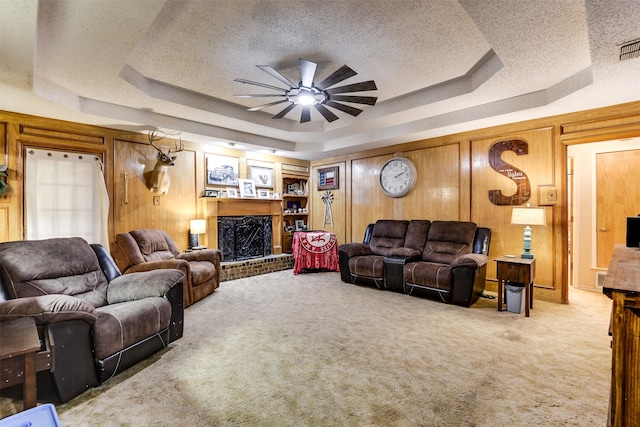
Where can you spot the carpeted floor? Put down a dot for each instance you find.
(309, 350)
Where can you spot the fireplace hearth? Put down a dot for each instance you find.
(244, 237)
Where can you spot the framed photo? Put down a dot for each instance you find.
(328, 178)
(247, 188)
(299, 224)
(263, 194)
(232, 192)
(210, 193)
(222, 170)
(262, 176)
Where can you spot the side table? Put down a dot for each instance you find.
(20, 343)
(516, 269)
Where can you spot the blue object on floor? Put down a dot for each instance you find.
(40, 416)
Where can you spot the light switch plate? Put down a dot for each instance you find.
(547, 195)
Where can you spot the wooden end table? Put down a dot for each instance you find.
(20, 343)
(516, 269)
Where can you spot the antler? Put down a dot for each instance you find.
(154, 135)
(181, 148)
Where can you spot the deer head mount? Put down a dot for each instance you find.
(158, 180)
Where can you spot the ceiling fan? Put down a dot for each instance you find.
(307, 94)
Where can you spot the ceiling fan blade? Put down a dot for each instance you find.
(260, 107)
(307, 72)
(284, 112)
(277, 75)
(337, 76)
(249, 82)
(260, 95)
(345, 108)
(369, 100)
(355, 87)
(305, 116)
(327, 114)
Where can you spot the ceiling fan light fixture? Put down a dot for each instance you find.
(306, 96)
(306, 93)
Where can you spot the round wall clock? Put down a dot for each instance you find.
(398, 177)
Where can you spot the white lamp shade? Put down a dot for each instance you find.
(528, 216)
(198, 226)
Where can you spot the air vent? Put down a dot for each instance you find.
(600, 276)
(630, 50)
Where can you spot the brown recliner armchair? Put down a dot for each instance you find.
(93, 322)
(149, 249)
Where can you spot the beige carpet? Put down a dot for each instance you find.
(309, 350)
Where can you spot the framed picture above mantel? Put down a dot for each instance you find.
(222, 170)
(262, 176)
(328, 178)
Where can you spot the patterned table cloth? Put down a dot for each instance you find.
(317, 250)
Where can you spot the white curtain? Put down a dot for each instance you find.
(65, 196)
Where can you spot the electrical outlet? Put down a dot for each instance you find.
(156, 200)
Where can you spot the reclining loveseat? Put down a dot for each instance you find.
(446, 260)
(92, 321)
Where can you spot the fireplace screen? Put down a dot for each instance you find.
(244, 237)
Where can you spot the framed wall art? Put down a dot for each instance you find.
(262, 176)
(247, 188)
(328, 178)
(222, 170)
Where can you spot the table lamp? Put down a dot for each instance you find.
(196, 227)
(528, 216)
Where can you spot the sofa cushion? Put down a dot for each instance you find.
(429, 274)
(121, 325)
(66, 266)
(448, 240)
(152, 244)
(417, 232)
(387, 235)
(367, 266)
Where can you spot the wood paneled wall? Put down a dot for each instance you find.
(127, 157)
(455, 177)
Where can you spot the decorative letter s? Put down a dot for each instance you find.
(523, 193)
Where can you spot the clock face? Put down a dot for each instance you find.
(398, 177)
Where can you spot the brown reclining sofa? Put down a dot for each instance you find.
(446, 260)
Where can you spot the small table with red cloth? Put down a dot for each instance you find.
(315, 250)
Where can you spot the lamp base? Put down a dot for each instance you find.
(194, 241)
(526, 255)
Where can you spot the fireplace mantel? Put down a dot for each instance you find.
(214, 207)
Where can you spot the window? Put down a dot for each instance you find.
(65, 196)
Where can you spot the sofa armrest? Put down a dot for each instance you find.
(355, 249)
(470, 260)
(135, 286)
(393, 271)
(212, 255)
(52, 308)
(179, 264)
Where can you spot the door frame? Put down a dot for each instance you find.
(573, 259)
